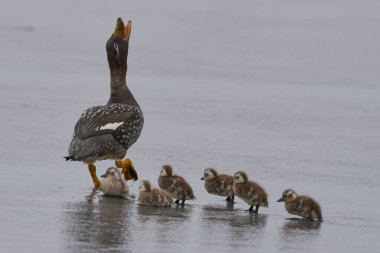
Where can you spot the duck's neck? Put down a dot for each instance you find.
(120, 92)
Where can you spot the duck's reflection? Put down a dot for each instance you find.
(294, 224)
(164, 225)
(299, 232)
(97, 225)
(176, 213)
(236, 228)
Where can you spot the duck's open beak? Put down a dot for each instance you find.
(127, 30)
(121, 30)
(280, 200)
(104, 175)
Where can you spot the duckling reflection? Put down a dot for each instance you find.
(163, 215)
(97, 225)
(301, 224)
(241, 229)
(299, 232)
(163, 225)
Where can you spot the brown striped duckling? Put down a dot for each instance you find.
(219, 184)
(114, 184)
(250, 192)
(175, 185)
(149, 196)
(303, 206)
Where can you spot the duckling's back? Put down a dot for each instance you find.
(221, 185)
(177, 186)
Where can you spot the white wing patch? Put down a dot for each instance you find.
(112, 126)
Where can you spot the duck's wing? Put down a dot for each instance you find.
(225, 181)
(101, 120)
(307, 203)
(183, 186)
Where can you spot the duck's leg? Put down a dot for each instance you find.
(127, 169)
(183, 202)
(95, 180)
(257, 209)
(231, 199)
(250, 209)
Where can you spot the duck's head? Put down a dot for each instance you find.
(145, 186)
(288, 195)
(240, 177)
(112, 173)
(166, 171)
(209, 174)
(117, 47)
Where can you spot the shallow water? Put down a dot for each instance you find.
(285, 90)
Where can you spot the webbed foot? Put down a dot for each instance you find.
(127, 169)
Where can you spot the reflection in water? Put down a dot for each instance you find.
(162, 227)
(298, 233)
(97, 225)
(221, 226)
(175, 214)
(294, 224)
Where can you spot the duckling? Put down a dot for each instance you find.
(303, 206)
(251, 192)
(114, 184)
(175, 185)
(219, 184)
(149, 196)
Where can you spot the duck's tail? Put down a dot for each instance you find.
(69, 158)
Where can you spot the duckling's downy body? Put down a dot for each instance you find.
(175, 185)
(149, 196)
(114, 184)
(219, 184)
(303, 206)
(250, 192)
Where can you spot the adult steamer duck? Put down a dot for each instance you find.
(107, 132)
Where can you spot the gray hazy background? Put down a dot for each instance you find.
(285, 90)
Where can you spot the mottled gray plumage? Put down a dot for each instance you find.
(106, 132)
(90, 143)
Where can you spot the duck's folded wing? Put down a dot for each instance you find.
(101, 120)
(251, 191)
(303, 203)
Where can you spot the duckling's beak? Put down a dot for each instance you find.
(104, 175)
(203, 178)
(281, 200)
